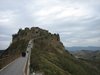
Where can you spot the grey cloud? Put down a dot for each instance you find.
(75, 21)
(5, 38)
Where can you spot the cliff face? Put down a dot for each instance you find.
(48, 55)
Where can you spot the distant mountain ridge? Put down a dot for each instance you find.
(87, 54)
(73, 48)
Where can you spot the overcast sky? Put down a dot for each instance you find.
(77, 21)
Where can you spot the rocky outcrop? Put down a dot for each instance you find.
(48, 55)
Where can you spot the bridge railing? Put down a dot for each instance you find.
(27, 65)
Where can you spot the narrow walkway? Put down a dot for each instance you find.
(16, 67)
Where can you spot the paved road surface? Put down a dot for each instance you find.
(17, 66)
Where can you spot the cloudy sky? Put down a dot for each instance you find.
(77, 21)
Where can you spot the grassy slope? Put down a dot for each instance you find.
(47, 58)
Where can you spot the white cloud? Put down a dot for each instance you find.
(3, 35)
(82, 42)
(72, 12)
(4, 44)
(49, 11)
(76, 20)
(6, 17)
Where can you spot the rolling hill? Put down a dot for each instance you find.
(75, 48)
